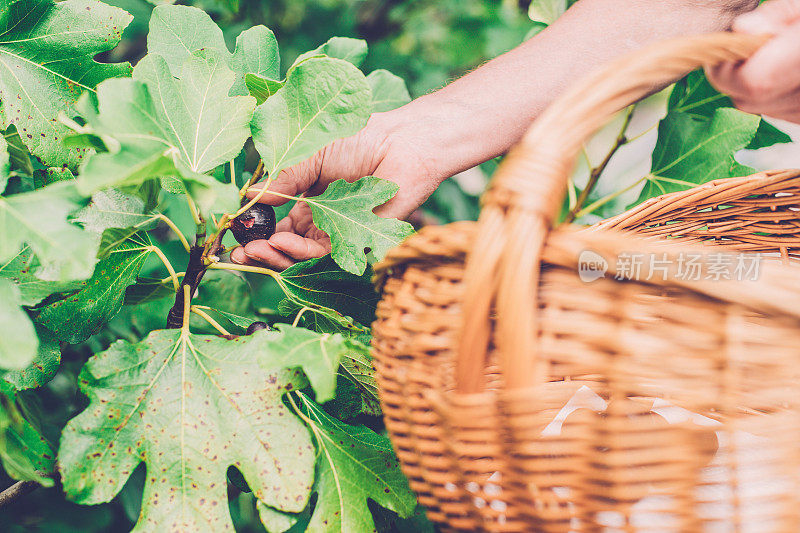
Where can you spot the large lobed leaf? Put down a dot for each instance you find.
(321, 283)
(170, 127)
(344, 212)
(47, 52)
(700, 136)
(178, 31)
(322, 100)
(189, 406)
(353, 464)
(692, 150)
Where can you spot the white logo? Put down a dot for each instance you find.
(591, 266)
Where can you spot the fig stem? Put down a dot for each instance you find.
(594, 174)
(258, 173)
(168, 221)
(216, 325)
(172, 274)
(300, 314)
(187, 302)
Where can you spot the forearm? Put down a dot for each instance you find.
(483, 114)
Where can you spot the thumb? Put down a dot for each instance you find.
(292, 181)
(771, 18)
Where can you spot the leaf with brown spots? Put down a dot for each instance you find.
(357, 368)
(82, 314)
(189, 406)
(47, 55)
(44, 366)
(353, 464)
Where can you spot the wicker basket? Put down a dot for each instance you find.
(520, 398)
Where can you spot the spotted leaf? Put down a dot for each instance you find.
(189, 407)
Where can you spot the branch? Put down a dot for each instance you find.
(595, 173)
(194, 273)
(17, 490)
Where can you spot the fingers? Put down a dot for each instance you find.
(774, 71)
(769, 82)
(260, 253)
(770, 18)
(281, 251)
(299, 248)
(292, 181)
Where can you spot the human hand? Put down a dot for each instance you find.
(769, 82)
(380, 149)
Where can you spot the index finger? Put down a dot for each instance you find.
(292, 181)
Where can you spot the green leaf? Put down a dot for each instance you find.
(147, 290)
(81, 315)
(226, 291)
(318, 354)
(18, 340)
(357, 368)
(43, 367)
(47, 61)
(24, 452)
(768, 135)
(169, 127)
(353, 464)
(351, 50)
(692, 150)
(546, 11)
(237, 320)
(323, 99)
(112, 208)
(388, 91)
(178, 31)
(48, 176)
(344, 212)
(64, 250)
(261, 88)
(275, 521)
(321, 283)
(189, 406)
(695, 96)
(32, 290)
(18, 152)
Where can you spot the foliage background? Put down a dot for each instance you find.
(426, 43)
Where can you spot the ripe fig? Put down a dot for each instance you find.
(255, 326)
(256, 223)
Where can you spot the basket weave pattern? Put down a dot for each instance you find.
(485, 332)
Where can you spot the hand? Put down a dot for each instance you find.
(769, 82)
(377, 150)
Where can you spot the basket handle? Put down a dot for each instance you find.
(527, 191)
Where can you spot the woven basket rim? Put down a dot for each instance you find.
(436, 244)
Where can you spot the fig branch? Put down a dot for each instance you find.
(252, 222)
(596, 172)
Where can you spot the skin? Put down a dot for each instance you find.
(477, 117)
(769, 83)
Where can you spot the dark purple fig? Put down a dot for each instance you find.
(255, 326)
(256, 223)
